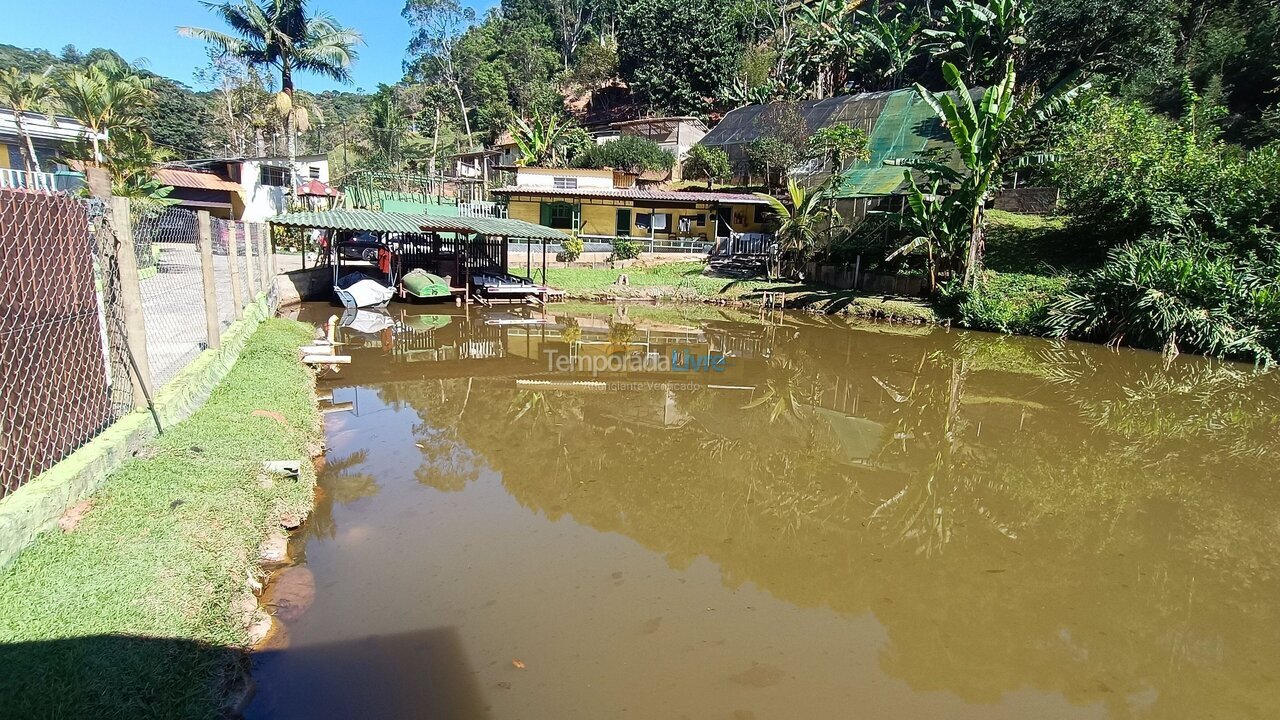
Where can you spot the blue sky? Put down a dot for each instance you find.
(146, 29)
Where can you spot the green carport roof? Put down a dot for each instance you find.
(392, 222)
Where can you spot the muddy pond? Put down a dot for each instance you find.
(658, 513)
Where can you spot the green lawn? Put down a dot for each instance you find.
(131, 614)
(688, 282)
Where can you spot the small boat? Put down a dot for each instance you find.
(357, 290)
(423, 285)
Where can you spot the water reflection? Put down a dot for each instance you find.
(1016, 515)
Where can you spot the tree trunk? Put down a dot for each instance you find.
(435, 147)
(290, 139)
(973, 266)
(462, 107)
(29, 152)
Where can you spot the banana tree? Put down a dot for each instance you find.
(983, 133)
(979, 35)
(539, 139)
(935, 222)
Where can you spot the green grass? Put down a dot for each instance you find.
(131, 614)
(1034, 244)
(687, 282)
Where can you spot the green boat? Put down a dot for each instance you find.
(423, 285)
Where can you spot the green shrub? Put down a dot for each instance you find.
(625, 250)
(1175, 296)
(1005, 302)
(572, 250)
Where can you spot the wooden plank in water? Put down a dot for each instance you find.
(327, 359)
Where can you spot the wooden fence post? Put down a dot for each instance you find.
(251, 272)
(233, 264)
(212, 328)
(135, 326)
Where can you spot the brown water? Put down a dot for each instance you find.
(842, 522)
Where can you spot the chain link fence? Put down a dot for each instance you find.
(67, 370)
(170, 282)
(63, 366)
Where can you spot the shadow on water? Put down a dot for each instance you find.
(411, 674)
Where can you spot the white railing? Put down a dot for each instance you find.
(482, 210)
(10, 178)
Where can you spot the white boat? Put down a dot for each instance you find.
(357, 290)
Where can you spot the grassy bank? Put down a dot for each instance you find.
(138, 610)
(688, 282)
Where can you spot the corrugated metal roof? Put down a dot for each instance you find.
(635, 194)
(391, 222)
(193, 179)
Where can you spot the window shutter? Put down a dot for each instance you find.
(545, 220)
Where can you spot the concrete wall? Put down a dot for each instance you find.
(263, 201)
(546, 177)
(1028, 200)
(36, 506)
(300, 286)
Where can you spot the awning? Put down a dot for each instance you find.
(392, 222)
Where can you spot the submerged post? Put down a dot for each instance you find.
(135, 327)
(205, 240)
(233, 264)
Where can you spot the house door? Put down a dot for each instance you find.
(623, 222)
(724, 222)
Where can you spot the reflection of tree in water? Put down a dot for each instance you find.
(338, 484)
(1008, 531)
(448, 463)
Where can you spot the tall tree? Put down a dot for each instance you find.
(438, 28)
(281, 34)
(27, 93)
(676, 54)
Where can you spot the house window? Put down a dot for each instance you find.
(314, 172)
(661, 222)
(273, 176)
(701, 220)
(566, 183)
(762, 214)
(559, 216)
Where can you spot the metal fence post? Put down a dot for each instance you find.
(131, 300)
(250, 271)
(205, 239)
(233, 266)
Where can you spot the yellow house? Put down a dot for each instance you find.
(601, 205)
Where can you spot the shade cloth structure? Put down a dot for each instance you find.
(898, 124)
(390, 222)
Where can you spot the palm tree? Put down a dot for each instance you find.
(802, 225)
(281, 34)
(27, 93)
(107, 96)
